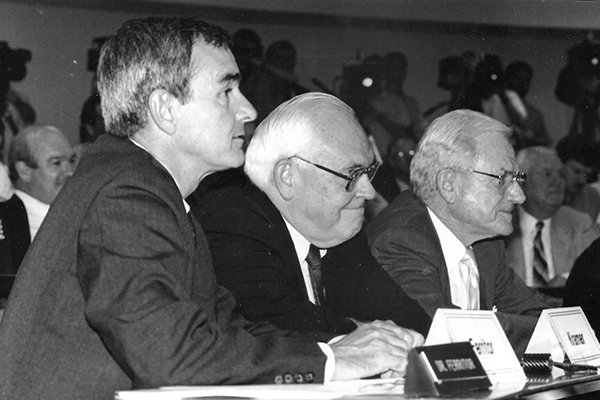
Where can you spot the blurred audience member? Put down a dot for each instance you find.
(390, 112)
(91, 122)
(529, 121)
(579, 159)
(247, 50)
(400, 155)
(547, 236)
(40, 161)
(441, 244)
(274, 81)
(583, 283)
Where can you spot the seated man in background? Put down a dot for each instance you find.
(548, 236)
(40, 161)
(579, 159)
(433, 243)
(118, 290)
(582, 285)
(312, 164)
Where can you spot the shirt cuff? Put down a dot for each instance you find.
(329, 364)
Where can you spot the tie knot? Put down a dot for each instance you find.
(539, 225)
(314, 254)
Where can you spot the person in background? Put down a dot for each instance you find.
(579, 159)
(527, 119)
(118, 290)
(548, 236)
(400, 155)
(441, 243)
(40, 162)
(290, 246)
(582, 285)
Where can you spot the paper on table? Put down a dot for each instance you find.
(331, 390)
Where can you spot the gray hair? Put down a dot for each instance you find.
(145, 55)
(291, 129)
(449, 142)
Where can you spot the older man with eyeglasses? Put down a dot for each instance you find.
(289, 245)
(441, 242)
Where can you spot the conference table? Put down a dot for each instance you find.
(581, 385)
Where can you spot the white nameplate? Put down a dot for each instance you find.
(565, 330)
(489, 341)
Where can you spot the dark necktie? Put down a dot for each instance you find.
(540, 265)
(313, 259)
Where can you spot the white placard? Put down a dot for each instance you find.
(486, 335)
(565, 330)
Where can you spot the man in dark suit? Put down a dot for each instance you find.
(582, 285)
(440, 244)
(259, 238)
(118, 289)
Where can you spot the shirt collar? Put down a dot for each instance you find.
(185, 204)
(527, 221)
(301, 244)
(452, 248)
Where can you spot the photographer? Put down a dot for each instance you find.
(578, 85)
(15, 110)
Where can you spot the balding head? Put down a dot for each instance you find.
(312, 158)
(40, 161)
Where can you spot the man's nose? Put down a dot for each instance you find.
(246, 112)
(516, 194)
(364, 188)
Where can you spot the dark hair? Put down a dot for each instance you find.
(575, 147)
(517, 66)
(145, 55)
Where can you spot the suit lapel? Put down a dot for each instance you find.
(279, 234)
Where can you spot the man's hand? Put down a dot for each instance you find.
(379, 347)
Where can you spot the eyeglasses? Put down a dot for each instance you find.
(507, 177)
(354, 176)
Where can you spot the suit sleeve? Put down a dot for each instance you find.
(363, 290)
(404, 253)
(154, 303)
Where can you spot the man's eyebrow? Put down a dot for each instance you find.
(231, 77)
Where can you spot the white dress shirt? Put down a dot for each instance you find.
(302, 245)
(528, 231)
(453, 251)
(36, 211)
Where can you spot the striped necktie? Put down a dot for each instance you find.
(540, 265)
(313, 259)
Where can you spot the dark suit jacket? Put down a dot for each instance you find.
(404, 241)
(582, 285)
(118, 291)
(15, 237)
(255, 258)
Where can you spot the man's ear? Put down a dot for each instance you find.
(283, 178)
(161, 110)
(24, 171)
(446, 183)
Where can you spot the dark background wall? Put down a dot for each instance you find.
(327, 34)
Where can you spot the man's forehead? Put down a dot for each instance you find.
(495, 150)
(217, 63)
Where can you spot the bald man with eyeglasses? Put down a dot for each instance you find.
(442, 241)
(310, 166)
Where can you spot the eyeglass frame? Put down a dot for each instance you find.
(352, 179)
(519, 177)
